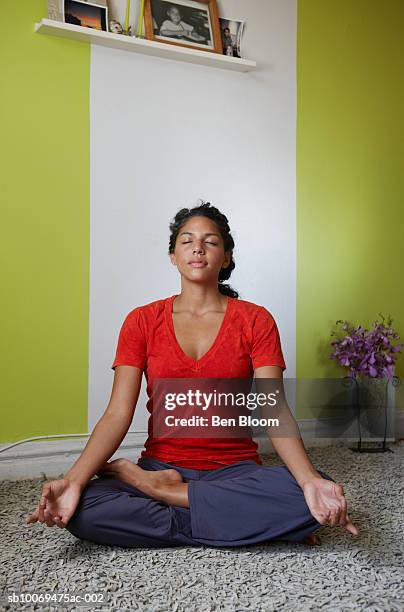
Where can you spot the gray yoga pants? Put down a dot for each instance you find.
(239, 504)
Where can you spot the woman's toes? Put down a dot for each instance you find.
(116, 465)
(111, 468)
(102, 469)
(120, 463)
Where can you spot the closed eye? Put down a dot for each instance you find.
(207, 242)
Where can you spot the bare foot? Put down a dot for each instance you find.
(147, 481)
(312, 539)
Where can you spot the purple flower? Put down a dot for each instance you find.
(367, 352)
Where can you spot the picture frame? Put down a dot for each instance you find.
(186, 23)
(84, 13)
(231, 31)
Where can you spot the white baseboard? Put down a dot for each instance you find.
(54, 457)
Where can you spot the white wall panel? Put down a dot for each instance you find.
(164, 134)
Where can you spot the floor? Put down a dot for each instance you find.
(343, 573)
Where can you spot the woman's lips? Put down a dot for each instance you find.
(198, 264)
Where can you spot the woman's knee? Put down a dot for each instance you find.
(112, 515)
(77, 525)
(80, 522)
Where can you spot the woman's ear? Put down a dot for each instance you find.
(227, 260)
(172, 257)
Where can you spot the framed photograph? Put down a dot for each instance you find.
(85, 13)
(188, 23)
(56, 8)
(231, 32)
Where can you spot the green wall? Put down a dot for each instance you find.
(350, 154)
(350, 179)
(44, 244)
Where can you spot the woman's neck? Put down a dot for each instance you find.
(199, 300)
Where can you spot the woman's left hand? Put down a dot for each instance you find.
(327, 503)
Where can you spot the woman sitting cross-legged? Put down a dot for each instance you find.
(192, 491)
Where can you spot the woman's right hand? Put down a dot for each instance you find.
(59, 500)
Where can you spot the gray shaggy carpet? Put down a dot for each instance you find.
(344, 573)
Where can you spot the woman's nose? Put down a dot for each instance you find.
(197, 249)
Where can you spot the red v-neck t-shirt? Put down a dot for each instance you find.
(248, 338)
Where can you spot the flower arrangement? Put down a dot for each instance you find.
(367, 352)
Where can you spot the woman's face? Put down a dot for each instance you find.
(199, 242)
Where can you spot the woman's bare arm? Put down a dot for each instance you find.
(112, 427)
(290, 448)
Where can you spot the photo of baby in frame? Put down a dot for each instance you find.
(187, 23)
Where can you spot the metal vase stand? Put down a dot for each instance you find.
(378, 449)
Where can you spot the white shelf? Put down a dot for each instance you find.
(141, 45)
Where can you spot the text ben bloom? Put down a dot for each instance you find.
(207, 401)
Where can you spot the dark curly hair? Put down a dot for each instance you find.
(207, 210)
